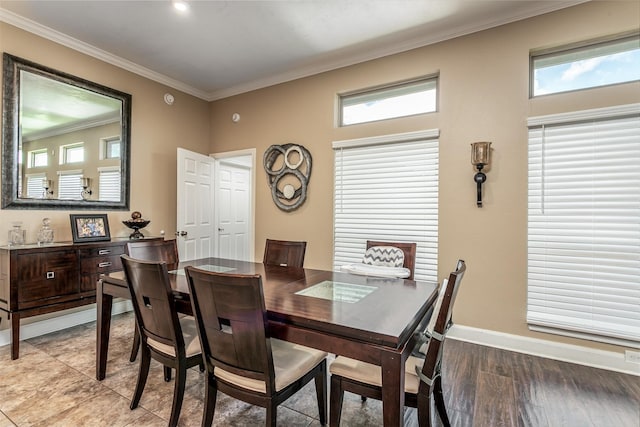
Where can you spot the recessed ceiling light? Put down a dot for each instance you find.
(182, 6)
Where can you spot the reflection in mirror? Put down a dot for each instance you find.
(65, 140)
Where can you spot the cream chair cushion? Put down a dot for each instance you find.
(290, 362)
(372, 374)
(191, 340)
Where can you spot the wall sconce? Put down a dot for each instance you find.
(480, 157)
(47, 186)
(86, 188)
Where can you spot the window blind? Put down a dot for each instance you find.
(69, 185)
(35, 189)
(584, 225)
(109, 184)
(387, 191)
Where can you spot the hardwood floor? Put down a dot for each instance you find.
(53, 384)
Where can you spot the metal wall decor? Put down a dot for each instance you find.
(288, 170)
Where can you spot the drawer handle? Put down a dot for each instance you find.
(104, 264)
(51, 274)
(104, 252)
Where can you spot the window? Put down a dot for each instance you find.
(584, 224)
(386, 188)
(109, 184)
(587, 66)
(110, 148)
(35, 185)
(38, 158)
(70, 185)
(399, 100)
(73, 153)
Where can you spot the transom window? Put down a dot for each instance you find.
(111, 148)
(392, 101)
(72, 153)
(590, 65)
(38, 158)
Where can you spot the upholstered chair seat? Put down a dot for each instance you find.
(290, 362)
(190, 334)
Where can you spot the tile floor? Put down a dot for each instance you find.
(53, 384)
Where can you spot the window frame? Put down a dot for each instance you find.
(571, 48)
(64, 153)
(379, 89)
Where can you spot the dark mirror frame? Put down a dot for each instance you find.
(12, 65)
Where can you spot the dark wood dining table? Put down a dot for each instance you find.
(366, 318)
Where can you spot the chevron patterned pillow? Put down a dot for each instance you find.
(386, 256)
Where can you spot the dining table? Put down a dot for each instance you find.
(367, 318)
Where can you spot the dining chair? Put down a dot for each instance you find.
(164, 337)
(409, 250)
(422, 373)
(152, 250)
(241, 360)
(285, 253)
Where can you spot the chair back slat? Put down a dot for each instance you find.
(153, 302)
(433, 358)
(285, 253)
(232, 322)
(155, 250)
(409, 250)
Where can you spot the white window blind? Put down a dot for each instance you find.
(69, 185)
(386, 188)
(35, 186)
(109, 184)
(584, 224)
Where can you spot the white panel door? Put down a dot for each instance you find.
(195, 214)
(234, 210)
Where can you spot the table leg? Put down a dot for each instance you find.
(392, 389)
(104, 303)
(15, 335)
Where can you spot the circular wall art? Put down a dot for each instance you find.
(288, 170)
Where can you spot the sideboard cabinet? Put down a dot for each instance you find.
(44, 279)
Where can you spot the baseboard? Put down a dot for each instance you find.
(536, 347)
(551, 350)
(64, 321)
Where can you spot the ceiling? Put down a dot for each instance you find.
(218, 49)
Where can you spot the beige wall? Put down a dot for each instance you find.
(483, 96)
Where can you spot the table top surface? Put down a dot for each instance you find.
(376, 310)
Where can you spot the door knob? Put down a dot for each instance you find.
(181, 233)
(220, 229)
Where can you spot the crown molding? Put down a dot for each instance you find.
(347, 57)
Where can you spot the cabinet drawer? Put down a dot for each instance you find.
(101, 251)
(100, 264)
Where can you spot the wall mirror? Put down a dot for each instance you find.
(65, 140)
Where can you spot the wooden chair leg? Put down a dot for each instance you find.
(145, 361)
(210, 394)
(438, 397)
(336, 396)
(321, 392)
(178, 395)
(167, 374)
(135, 346)
(272, 414)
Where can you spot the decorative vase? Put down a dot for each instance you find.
(45, 234)
(136, 223)
(17, 235)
